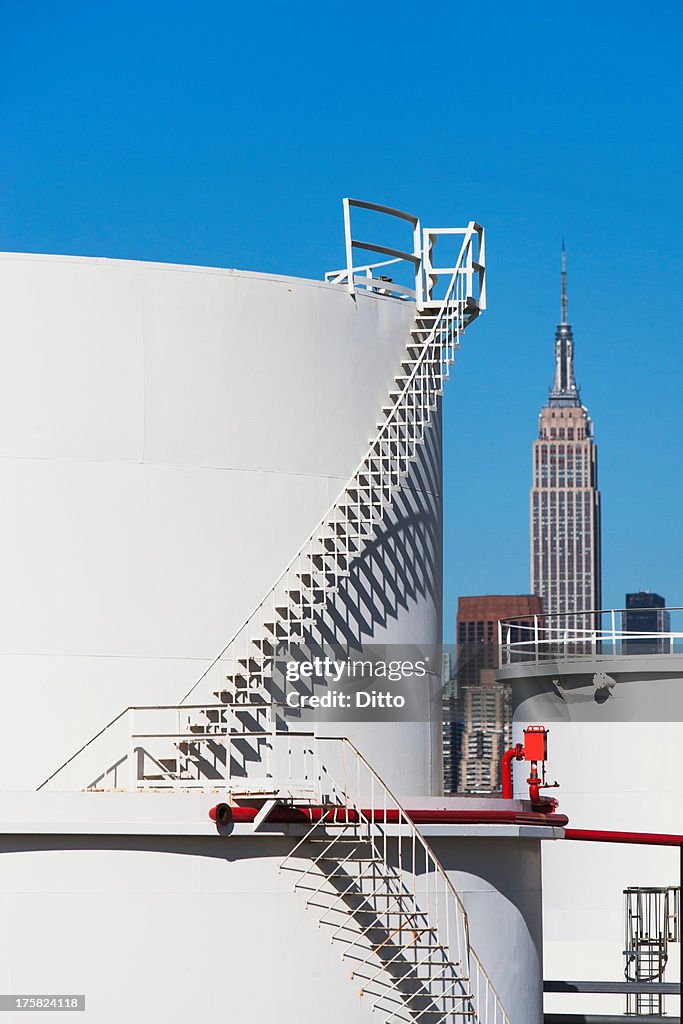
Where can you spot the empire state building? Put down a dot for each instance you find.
(565, 501)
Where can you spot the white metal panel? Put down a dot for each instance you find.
(72, 354)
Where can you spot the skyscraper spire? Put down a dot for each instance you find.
(564, 390)
(565, 500)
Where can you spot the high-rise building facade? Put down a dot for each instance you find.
(565, 501)
(477, 709)
(646, 613)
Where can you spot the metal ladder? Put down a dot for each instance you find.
(651, 922)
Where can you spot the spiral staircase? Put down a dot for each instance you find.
(363, 865)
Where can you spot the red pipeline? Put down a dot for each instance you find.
(590, 835)
(224, 814)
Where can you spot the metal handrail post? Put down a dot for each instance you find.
(349, 247)
(536, 637)
(132, 755)
(419, 267)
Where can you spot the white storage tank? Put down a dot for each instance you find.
(615, 721)
(170, 436)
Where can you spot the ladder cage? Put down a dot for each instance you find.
(651, 922)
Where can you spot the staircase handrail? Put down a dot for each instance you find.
(482, 978)
(130, 710)
(85, 746)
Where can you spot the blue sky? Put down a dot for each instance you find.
(226, 134)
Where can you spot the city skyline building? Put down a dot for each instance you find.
(565, 500)
(646, 613)
(477, 709)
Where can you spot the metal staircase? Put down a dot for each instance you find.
(376, 885)
(293, 610)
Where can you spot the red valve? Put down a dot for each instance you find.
(534, 749)
(535, 743)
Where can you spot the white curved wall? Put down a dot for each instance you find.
(168, 438)
(499, 882)
(168, 928)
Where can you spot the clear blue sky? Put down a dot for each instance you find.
(226, 134)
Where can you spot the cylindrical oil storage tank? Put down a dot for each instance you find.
(615, 725)
(170, 436)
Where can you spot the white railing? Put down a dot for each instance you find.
(366, 278)
(162, 747)
(406, 261)
(103, 758)
(417, 261)
(600, 632)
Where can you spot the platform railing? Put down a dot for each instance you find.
(612, 632)
(161, 747)
(367, 278)
(400, 257)
(418, 261)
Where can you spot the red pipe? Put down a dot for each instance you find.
(642, 838)
(514, 754)
(224, 814)
(474, 817)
